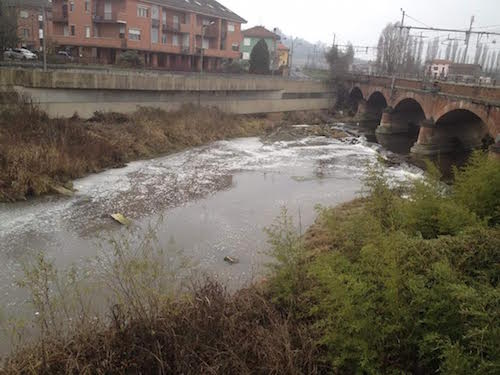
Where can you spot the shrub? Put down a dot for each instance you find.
(130, 59)
(477, 186)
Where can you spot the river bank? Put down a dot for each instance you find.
(40, 155)
(404, 280)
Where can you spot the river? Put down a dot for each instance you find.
(211, 202)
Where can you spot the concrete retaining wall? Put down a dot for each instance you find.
(62, 93)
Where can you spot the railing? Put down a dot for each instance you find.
(185, 28)
(170, 27)
(107, 17)
(59, 16)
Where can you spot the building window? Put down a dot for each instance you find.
(246, 42)
(26, 33)
(71, 6)
(155, 13)
(87, 31)
(23, 14)
(73, 32)
(175, 40)
(230, 27)
(246, 56)
(154, 34)
(235, 47)
(164, 38)
(66, 30)
(134, 34)
(164, 16)
(87, 6)
(142, 11)
(185, 40)
(206, 43)
(176, 22)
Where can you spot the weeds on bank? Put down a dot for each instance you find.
(38, 153)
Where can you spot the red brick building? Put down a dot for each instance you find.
(167, 33)
(29, 15)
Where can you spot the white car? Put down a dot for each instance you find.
(20, 54)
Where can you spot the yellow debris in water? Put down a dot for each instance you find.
(121, 219)
(62, 191)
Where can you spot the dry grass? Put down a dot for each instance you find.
(210, 333)
(37, 152)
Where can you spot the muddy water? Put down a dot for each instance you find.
(211, 202)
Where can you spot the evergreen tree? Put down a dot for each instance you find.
(259, 58)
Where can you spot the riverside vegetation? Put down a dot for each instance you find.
(39, 154)
(404, 280)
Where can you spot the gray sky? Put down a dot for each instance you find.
(360, 21)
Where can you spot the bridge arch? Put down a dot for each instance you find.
(355, 98)
(375, 105)
(479, 111)
(407, 115)
(462, 129)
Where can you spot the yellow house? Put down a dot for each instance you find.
(283, 55)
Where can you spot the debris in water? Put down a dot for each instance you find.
(231, 260)
(121, 219)
(62, 190)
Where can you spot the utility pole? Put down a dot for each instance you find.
(44, 32)
(467, 40)
(203, 28)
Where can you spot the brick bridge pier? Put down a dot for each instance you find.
(447, 116)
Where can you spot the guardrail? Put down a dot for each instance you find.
(89, 67)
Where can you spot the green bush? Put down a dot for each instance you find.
(130, 59)
(477, 186)
(407, 280)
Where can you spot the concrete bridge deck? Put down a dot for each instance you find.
(449, 116)
(63, 92)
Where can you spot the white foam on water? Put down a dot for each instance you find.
(193, 173)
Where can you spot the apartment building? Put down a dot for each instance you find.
(168, 34)
(30, 28)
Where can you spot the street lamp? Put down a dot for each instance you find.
(203, 28)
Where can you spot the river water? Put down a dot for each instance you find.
(212, 202)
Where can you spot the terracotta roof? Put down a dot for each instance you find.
(441, 62)
(206, 7)
(260, 32)
(282, 47)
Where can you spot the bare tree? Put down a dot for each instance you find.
(454, 51)
(340, 63)
(392, 42)
(8, 27)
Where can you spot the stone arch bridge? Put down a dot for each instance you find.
(447, 116)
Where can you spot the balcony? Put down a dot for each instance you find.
(107, 17)
(59, 16)
(185, 28)
(212, 52)
(210, 31)
(171, 28)
(89, 42)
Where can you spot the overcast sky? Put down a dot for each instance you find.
(360, 21)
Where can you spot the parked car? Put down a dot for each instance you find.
(8, 54)
(20, 54)
(64, 55)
